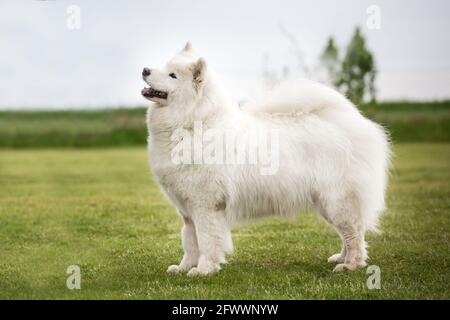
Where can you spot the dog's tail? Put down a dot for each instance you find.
(301, 96)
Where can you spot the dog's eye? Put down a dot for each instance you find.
(173, 75)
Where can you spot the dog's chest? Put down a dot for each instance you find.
(176, 180)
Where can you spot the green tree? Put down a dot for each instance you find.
(330, 61)
(357, 76)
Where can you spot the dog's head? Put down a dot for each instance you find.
(181, 81)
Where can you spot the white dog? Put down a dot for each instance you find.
(330, 159)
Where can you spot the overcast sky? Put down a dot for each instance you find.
(44, 64)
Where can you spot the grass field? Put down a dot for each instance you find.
(100, 210)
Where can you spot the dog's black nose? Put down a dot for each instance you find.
(146, 72)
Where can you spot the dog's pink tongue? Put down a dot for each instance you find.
(145, 91)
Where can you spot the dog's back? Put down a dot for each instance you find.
(350, 135)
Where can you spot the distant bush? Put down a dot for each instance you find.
(412, 121)
(406, 122)
(80, 128)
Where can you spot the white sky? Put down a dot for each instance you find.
(44, 64)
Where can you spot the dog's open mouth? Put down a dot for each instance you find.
(149, 92)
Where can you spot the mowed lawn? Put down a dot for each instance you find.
(101, 210)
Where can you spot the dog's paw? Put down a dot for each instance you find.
(196, 271)
(336, 258)
(362, 264)
(174, 269)
(345, 266)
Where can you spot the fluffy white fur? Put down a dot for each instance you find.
(332, 160)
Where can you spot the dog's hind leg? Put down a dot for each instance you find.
(214, 240)
(339, 257)
(190, 246)
(326, 213)
(355, 247)
(345, 216)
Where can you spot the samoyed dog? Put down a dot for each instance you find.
(302, 146)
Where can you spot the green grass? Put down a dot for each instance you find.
(77, 128)
(406, 121)
(413, 121)
(100, 210)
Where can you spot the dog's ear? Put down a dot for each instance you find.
(187, 47)
(198, 72)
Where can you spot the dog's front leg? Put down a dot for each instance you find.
(214, 240)
(190, 246)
